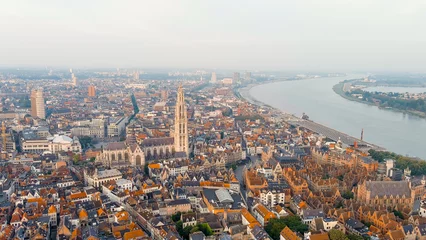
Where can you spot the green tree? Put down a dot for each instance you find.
(398, 214)
(335, 234)
(145, 169)
(176, 217)
(274, 228)
(417, 166)
(186, 231)
(348, 195)
(194, 229)
(85, 141)
(295, 224)
(205, 228)
(76, 158)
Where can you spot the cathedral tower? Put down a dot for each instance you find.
(181, 124)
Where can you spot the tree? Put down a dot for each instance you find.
(274, 228)
(335, 234)
(85, 141)
(348, 195)
(194, 229)
(296, 224)
(417, 166)
(205, 228)
(186, 231)
(176, 217)
(145, 169)
(398, 214)
(76, 158)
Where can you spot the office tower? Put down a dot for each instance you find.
(181, 123)
(248, 76)
(136, 75)
(92, 91)
(37, 104)
(73, 78)
(3, 135)
(213, 79)
(236, 77)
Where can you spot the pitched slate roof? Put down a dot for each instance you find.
(388, 188)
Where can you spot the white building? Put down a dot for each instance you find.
(95, 128)
(97, 178)
(31, 142)
(116, 126)
(124, 184)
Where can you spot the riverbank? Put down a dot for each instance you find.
(244, 93)
(338, 88)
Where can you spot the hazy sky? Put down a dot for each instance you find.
(332, 35)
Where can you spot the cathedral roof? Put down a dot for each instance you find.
(115, 146)
(150, 142)
(388, 188)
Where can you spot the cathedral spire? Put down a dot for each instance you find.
(3, 135)
(181, 123)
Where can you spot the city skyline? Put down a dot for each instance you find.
(307, 35)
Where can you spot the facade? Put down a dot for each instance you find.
(262, 214)
(175, 206)
(74, 79)
(274, 194)
(121, 154)
(116, 127)
(181, 124)
(37, 104)
(213, 78)
(96, 128)
(386, 193)
(97, 178)
(236, 77)
(31, 143)
(7, 140)
(92, 91)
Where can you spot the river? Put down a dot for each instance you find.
(398, 132)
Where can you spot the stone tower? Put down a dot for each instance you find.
(181, 123)
(3, 135)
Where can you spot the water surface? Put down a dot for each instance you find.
(396, 131)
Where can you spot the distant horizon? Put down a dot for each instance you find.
(307, 35)
(208, 70)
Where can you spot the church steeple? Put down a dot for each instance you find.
(3, 135)
(181, 123)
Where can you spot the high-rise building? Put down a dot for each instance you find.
(247, 76)
(136, 75)
(236, 77)
(37, 104)
(181, 123)
(164, 95)
(3, 135)
(73, 78)
(92, 91)
(213, 79)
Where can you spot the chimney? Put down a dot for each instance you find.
(355, 144)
